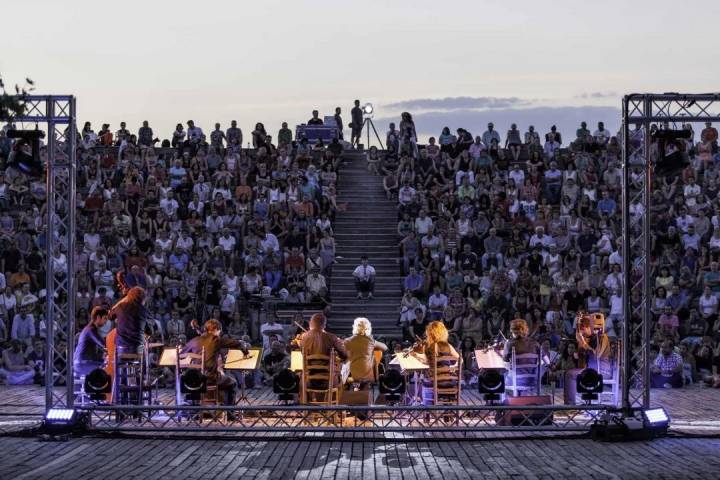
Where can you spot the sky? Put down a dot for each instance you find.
(460, 63)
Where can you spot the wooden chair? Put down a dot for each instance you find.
(447, 376)
(524, 369)
(319, 371)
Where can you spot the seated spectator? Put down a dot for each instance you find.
(667, 369)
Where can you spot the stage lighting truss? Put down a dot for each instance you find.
(385, 419)
(640, 111)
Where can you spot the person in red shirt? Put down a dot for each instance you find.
(710, 135)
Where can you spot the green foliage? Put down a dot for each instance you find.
(12, 103)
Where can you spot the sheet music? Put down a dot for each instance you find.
(167, 359)
(489, 359)
(236, 360)
(296, 361)
(414, 361)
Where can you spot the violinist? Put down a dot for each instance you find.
(593, 351)
(436, 345)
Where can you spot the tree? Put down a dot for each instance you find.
(12, 105)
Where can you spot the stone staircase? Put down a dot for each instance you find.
(369, 227)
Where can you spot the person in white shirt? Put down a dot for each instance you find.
(227, 302)
(227, 241)
(541, 238)
(270, 242)
(364, 275)
(169, 205)
(708, 304)
(601, 135)
(269, 328)
(436, 304)
(214, 223)
(423, 223)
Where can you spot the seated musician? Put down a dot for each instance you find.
(519, 340)
(361, 349)
(316, 341)
(593, 351)
(522, 344)
(90, 348)
(213, 343)
(436, 335)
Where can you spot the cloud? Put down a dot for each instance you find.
(457, 103)
(567, 120)
(598, 95)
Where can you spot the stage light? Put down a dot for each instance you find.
(589, 384)
(62, 421)
(491, 383)
(286, 384)
(27, 163)
(193, 383)
(368, 109)
(676, 162)
(656, 417)
(392, 385)
(97, 384)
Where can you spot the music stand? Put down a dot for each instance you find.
(411, 363)
(236, 360)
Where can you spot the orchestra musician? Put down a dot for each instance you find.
(436, 337)
(211, 343)
(593, 342)
(130, 316)
(90, 348)
(519, 340)
(316, 341)
(522, 344)
(361, 348)
(593, 348)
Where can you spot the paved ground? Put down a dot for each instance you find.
(672, 458)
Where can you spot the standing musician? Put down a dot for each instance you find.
(130, 316)
(212, 343)
(90, 348)
(361, 348)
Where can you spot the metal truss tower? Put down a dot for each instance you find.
(57, 113)
(642, 111)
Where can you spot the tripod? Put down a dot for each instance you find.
(367, 124)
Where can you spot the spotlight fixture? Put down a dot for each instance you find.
(97, 384)
(491, 383)
(64, 421)
(286, 384)
(368, 108)
(193, 384)
(27, 162)
(392, 385)
(589, 384)
(656, 418)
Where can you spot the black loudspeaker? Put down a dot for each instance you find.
(522, 417)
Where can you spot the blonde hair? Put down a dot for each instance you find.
(436, 332)
(521, 325)
(362, 326)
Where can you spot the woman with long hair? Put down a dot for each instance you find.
(436, 345)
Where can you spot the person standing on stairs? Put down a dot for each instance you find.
(364, 275)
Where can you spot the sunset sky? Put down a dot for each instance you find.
(448, 63)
